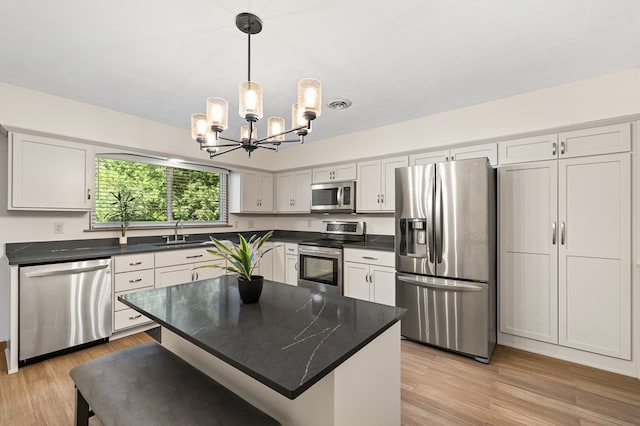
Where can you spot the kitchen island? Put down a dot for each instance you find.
(301, 356)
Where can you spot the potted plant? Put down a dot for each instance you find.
(241, 259)
(123, 212)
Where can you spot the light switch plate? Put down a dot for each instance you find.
(58, 227)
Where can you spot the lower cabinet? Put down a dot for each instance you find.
(370, 275)
(179, 266)
(131, 273)
(291, 264)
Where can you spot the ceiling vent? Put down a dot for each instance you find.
(339, 104)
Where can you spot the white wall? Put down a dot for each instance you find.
(608, 96)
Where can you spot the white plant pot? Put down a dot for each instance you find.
(123, 241)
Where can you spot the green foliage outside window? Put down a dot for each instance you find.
(163, 194)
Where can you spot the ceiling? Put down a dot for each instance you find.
(395, 60)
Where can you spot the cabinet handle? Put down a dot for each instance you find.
(553, 233)
(562, 229)
(136, 280)
(381, 198)
(195, 276)
(554, 149)
(562, 148)
(194, 256)
(135, 263)
(369, 257)
(88, 193)
(296, 266)
(453, 158)
(135, 317)
(378, 198)
(446, 158)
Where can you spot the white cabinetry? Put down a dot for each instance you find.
(250, 192)
(177, 266)
(291, 263)
(49, 174)
(278, 261)
(133, 272)
(293, 192)
(489, 150)
(565, 252)
(376, 184)
(336, 173)
(370, 275)
(575, 143)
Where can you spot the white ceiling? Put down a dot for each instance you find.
(395, 60)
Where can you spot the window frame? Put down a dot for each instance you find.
(166, 162)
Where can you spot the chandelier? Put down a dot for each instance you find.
(206, 128)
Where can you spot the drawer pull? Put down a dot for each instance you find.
(194, 256)
(135, 263)
(369, 257)
(137, 280)
(135, 317)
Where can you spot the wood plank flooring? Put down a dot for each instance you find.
(438, 388)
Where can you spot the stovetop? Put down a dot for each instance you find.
(336, 233)
(326, 242)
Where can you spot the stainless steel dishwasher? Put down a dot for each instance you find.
(63, 305)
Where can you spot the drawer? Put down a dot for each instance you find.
(181, 257)
(119, 306)
(291, 248)
(132, 262)
(371, 257)
(128, 318)
(133, 280)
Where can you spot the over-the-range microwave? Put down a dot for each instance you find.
(333, 197)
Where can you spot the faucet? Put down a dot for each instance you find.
(175, 231)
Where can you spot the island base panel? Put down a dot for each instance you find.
(365, 389)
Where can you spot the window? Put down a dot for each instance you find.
(164, 191)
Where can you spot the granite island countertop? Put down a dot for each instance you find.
(288, 341)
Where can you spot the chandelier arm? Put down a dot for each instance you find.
(215, 154)
(278, 142)
(267, 147)
(235, 142)
(295, 129)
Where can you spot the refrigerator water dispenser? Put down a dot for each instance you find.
(413, 237)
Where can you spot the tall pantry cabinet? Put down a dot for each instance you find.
(565, 241)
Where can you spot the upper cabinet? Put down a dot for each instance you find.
(489, 150)
(375, 191)
(293, 192)
(335, 173)
(576, 143)
(250, 192)
(49, 174)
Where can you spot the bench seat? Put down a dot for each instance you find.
(148, 385)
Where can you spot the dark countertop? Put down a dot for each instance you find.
(289, 340)
(41, 252)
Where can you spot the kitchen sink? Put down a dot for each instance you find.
(182, 243)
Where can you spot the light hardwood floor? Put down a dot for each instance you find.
(438, 388)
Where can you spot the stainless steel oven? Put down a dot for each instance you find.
(320, 268)
(320, 261)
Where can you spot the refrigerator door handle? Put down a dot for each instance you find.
(458, 287)
(438, 222)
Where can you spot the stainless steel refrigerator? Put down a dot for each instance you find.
(445, 241)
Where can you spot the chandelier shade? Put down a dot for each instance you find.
(206, 128)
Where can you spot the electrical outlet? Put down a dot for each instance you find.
(58, 227)
(235, 223)
(250, 224)
(309, 223)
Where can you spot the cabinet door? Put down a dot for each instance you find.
(265, 193)
(344, 172)
(266, 261)
(291, 269)
(429, 157)
(284, 193)
(383, 285)
(595, 254)
(278, 262)
(356, 281)
(489, 150)
(598, 140)
(536, 148)
(388, 184)
(50, 174)
(528, 261)
(250, 192)
(324, 174)
(207, 273)
(172, 275)
(302, 192)
(368, 188)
